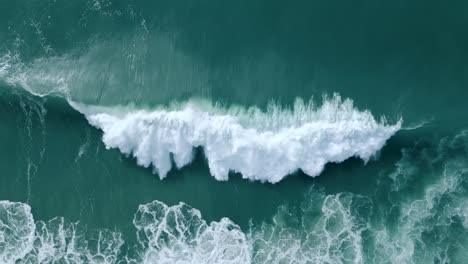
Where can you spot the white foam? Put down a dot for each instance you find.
(16, 231)
(166, 234)
(4, 65)
(179, 234)
(24, 241)
(331, 228)
(329, 231)
(263, 146)
(426, 224)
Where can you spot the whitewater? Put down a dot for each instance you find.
(265, 146)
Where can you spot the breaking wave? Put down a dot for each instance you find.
(260, 145)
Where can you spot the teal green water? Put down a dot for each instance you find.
(91, 201)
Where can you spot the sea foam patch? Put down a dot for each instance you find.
(260, 145)
(166, 234)
(16, 231)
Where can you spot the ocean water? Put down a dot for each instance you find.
(137, 131)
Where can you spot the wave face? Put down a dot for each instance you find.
(238, 139)
(264, 146)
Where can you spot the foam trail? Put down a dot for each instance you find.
(417, 125)
(264, 146)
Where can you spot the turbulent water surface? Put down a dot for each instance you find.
(137, 131)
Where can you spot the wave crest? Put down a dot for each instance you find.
(264, 146)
